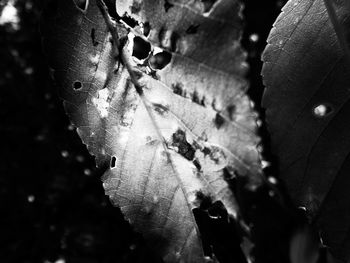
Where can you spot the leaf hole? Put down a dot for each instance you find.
(160, 60)
(113, 162)
(208, 4)
(141, 48)
(77, 85)
(146, 29)
(129, 21)
(322, 110)
(82, 4)
(167, 5)
(192, 29)
(183, 147)
(112, 10)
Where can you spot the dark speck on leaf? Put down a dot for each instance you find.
(197, 164)
(206, 151)
(93, 37)
(219, 120)
(159, 108)
(231, 111)
(146, 28)
(192, 29)
(184, 148)
(195, 97)
(177, 88)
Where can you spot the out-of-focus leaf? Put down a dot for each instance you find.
(192, 129)
(304, 246)
(307, 72)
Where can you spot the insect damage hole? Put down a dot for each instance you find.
(131, 22)
(322, 110)
(77, 85)
(160, 60)
(113, 162)
(82, 4)
(141, 48)
(146, 29)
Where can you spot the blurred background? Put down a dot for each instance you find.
(53, 207)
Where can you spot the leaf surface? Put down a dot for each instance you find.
(306, 73)
(191, 130)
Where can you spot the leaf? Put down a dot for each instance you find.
(169, 136)
(306, 74)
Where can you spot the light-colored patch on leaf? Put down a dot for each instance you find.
(101, 102)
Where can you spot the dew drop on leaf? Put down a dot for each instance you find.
(31, 198)
(322, 110)
(64, 154)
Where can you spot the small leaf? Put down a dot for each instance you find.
(306, 73)
(166, 133)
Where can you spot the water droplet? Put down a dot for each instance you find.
(64, 154)
(9, 15)
(265, 164)
(29, 71)
(132, 246)
(254, 38)
(60, 260)
(40, 137)
(302, 208)
(31, 198)
(80, 158)
(272, 180)
(322, 110)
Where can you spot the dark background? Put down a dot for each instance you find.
(53, 207)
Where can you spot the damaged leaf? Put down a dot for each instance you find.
(307, 73)
(169, 124)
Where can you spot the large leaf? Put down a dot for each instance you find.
(307, 73)
(170, 137)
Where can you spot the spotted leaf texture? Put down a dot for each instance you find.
(306, 73)
(180, 139)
